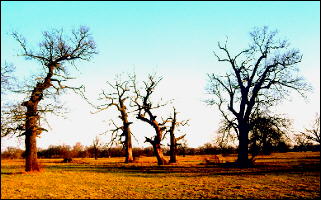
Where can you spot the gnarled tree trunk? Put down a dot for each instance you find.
(32, 121)
(157, 150)
(126, 132)
(159, 154)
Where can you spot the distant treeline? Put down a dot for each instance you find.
(79, 151)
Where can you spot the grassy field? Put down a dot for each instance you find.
(280, 175)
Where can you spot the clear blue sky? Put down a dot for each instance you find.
(175, 39)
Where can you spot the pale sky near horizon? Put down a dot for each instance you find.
(174, 39)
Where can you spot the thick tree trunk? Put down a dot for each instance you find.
(31, 154)
(173, 149)
(127, 133)
(30, 140)
(243, 150)
(159, 154)
(157, 148)
(129, 150)
(32, 121)
(95, 153)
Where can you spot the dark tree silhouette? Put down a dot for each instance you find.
(261, 76)
(267, 132)
(144, 107)
(96, 145)
(54, 53)
(302, 142)
(173, 139)
(118, 97)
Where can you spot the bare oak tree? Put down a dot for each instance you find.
(144, 107)
(96, 145)
(118, 99)
(260, 76)
(173, 139)
(54, 53)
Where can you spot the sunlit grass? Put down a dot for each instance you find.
(288, 175)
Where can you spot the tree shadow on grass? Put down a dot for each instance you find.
(184, 171)
(12, 173)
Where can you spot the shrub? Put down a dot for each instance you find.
(12, 153)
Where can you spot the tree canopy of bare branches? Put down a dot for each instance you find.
(54, 53)
(260, 76)
(313, 134)
(7, 77)
(145, 108)
(11, 113)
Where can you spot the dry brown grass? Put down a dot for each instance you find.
(282, 175)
